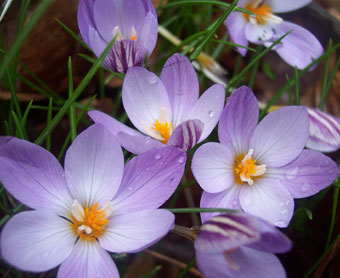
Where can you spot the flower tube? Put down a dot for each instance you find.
(260, 168)
(299, 48)
(133, 21)
(166, 111)
(93, 206)
(240, 245)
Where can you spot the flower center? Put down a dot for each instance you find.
(164, 130)
(263, 13)
(120, 37)
(246, 169)
(89, 223)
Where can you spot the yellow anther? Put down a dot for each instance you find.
(163, 129)
(133, 38)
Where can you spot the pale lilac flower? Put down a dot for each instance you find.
(240, 245)
(93, 206)
(166, 111)
(324, 131)
(298, 49)
(133, 21)
(260, 168)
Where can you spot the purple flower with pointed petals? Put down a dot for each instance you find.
(324, 131)
(93, 206)
(133, 21)
(166, 111)
(260, 168)
(240, 245)
(298, 49)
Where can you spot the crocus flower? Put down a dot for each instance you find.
(240, 245)
(133, 21)
(94, 205)
(260, 168)
(324, 131)
(166, 111)
(299, 48)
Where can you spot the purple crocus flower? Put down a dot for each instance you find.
(166, 111)
(324, 131)
(239, 245)
(94, 205)
(260, 168)
(133, 21)
(298, 49)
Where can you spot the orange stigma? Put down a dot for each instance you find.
(89, 223)
(246, 169)
(164, 130)
(263, 12)
(133, 38)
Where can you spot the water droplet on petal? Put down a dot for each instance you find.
(130, 188)
(291, 173)
(284, 211)
(147, 169)
(116, 178)
(153, 80)
(181, 160)
(280, 223)
(234, 204)
(211, 114)
(281, 204)
(158, 156)
(287, 202)
(305, 187)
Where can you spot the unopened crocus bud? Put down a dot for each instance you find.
(133, 22)
(324, 131)
(237, 245)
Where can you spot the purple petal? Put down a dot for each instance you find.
(33, 175)
(226, 232)
(122, 13)
(309, 173)
(95, 42)
(227, 199)
(139, 143)
(236, 23)
(150, 179)
(300, 47)
(279, 6)
(272, 239)
(324, 131)
(85, 18)
(124, 55)
(133, 232)
(144, 96)
(280, 136)
(269, 199)
(212, 166)
(36, 241)
(240, 263)
(181, 83)
(149, 32)
(208, 109)
(239, 119)
(94, 166)
(88, 260)
(186, 135)
(130, 139)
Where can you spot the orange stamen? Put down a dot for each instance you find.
(133, 38)
(163, 129)
(262, 12)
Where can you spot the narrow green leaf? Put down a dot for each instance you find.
(297, 87)
(234, 45)
(187, 268)
(72, 113)
(75, 95)
(49, 119)
(20, 131)
(28, 109)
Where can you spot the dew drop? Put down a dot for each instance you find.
(281, 204)
(291, 173)
(305, 187)
(284, 211)
(181, 160)
(147, 169)
(153, 80)
(287, 202)
(130, 188)
(280, 223)
(116, 178)
(158, 156)
(234, 204)
(211, 114)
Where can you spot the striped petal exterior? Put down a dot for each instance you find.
(324, 131)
